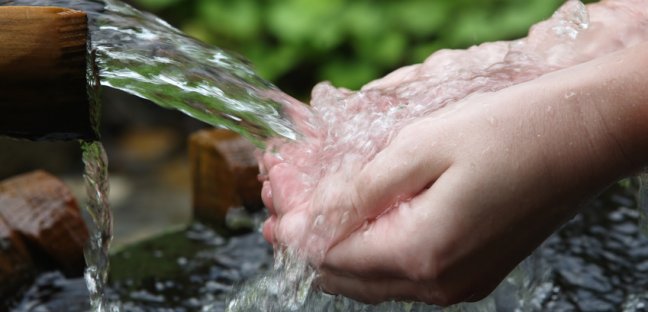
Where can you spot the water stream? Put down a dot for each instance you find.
(138, 53)
(98, 208)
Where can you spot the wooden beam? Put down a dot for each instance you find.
(43, 73)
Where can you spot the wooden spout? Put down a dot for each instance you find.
(43, 73)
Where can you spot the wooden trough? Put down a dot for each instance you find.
(43, 93)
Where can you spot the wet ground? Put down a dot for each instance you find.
(599, 261)
(177, 271)
(596, 262)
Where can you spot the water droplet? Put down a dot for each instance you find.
(345, 218)
(319, 221)
(570, 94)
(550, 110)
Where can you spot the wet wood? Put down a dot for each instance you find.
(224, 174)
(42, 210)
(16, 267)
(43, 73)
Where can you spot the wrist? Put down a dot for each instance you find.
(618, 88)
(600, 123)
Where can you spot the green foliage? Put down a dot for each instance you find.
(296, 43)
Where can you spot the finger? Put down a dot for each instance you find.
(403, 169)
(404, 242)
(373, 291)
(268, 229)
(293, 231)
(286, 188)
(419, 241)
(266, 197)
(269, 160)
(395, 78)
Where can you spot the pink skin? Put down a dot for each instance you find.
(454, 200)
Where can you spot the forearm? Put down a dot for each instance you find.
(601, 109)
(618, 88)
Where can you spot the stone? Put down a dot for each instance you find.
(43, 212)
(16, 266)
(224, 174)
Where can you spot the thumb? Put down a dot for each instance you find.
(405, 168)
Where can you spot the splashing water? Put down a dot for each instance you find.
(355, 126)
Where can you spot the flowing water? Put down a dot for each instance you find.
(100, 229)
(140, 54)
(143, 55)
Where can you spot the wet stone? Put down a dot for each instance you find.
(593, 304)
(16, 267)
(191, 268)
(42, 210)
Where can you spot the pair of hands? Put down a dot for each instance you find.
(459, 197)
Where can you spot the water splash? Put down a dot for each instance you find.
(286, 288)
(573, 20)
(357, 125)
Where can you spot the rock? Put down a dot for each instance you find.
(224, 172)
(16, 266)
(42, 210)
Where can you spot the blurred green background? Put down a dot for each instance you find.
(297, 43)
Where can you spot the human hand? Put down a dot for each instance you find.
(493, 176)
(458, 198)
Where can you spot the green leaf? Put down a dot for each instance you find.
(349, 74)
(312, 22)
(386, 49)
(419, 53)
(155, 5)
(240, 20)
(198, 30)
(364, 19)
(272, 63)
(421, 17)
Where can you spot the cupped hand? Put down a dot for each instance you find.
(458, 198)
